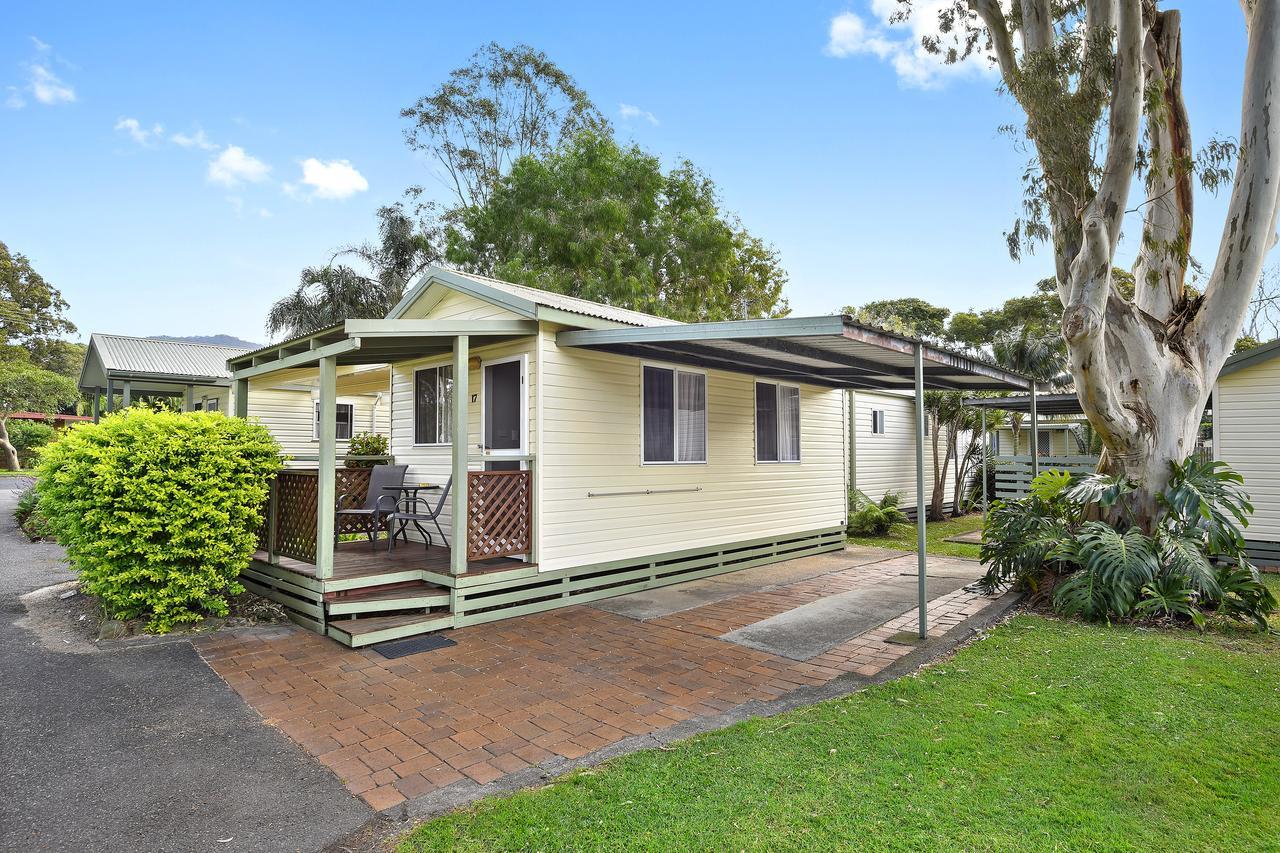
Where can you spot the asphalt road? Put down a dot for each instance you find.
(141, 749)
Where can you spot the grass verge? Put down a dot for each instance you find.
(902, 537)
(1046, 734)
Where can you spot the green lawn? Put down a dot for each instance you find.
(902, 537)
(1045, 735)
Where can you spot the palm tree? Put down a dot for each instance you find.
(1032, 353)
(335, 292)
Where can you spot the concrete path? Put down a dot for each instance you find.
(142, 749)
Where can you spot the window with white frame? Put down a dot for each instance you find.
(345, 420)
(777, 422)
(433, 405)
(877, 421)
(211, 404)
(673, 415)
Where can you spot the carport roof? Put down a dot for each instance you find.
(1046, 404)
(833, 351)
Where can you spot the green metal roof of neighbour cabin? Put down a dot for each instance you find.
(124, 355)
(1250, 357)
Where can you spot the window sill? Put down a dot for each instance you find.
(647, 464)
(446, 444)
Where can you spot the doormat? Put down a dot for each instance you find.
(413, 645)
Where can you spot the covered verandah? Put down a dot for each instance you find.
(384, 593)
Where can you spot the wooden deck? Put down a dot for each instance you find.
(357, 559)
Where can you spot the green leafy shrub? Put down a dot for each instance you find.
(1191, 564)
(159, 511)
(366, 444)
(869, 518)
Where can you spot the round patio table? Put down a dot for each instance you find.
(409, 497)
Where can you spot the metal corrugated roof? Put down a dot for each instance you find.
(122, 354)
(570, 303)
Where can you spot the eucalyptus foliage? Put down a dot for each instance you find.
(159, 511)
(1054, 544)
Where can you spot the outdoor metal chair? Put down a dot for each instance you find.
(378, 503)
(406, 517)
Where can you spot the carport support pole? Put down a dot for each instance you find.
(126, 395)
(326, 475)
(190, 404)
(461, 405)
(97, 397)
(111, 396)
(921, 558)
(984, 465)
(1035, 434)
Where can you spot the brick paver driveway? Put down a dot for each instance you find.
(539, 689)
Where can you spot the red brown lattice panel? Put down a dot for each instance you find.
(499, 514)
(296, 493)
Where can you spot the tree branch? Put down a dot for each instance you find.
(1001, 39)
(1037, 26)
(1250, 227)
(1161, 267)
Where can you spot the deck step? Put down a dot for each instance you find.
(416, 595)
(377, 629)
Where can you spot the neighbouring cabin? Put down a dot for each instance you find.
(589, 451)
(119, 371)
(884, 440)
(1246, 423)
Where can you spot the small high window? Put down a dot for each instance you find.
(345, 419)
(877, 421)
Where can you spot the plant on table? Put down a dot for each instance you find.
(1077, 543)
(366, 444)
(159, 511)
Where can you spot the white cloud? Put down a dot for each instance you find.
(330, 179)
(263, 213)
(13, 98)
(630, 112)
(42, 47)
(193, 140)
(899, 43)
(138, 133)
(47, 87)
(234, 166)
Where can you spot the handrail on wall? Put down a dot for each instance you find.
(644, 492)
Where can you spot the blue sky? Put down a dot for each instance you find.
(874, 174)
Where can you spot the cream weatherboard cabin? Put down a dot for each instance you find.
(1246, 435)
(589, 451)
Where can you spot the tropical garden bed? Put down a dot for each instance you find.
(1046, 733)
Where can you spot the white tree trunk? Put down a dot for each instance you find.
(8, 453)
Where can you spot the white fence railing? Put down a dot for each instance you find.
(1013, 473)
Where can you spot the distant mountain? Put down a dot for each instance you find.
(216, 340)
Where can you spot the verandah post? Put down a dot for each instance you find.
(1035, 434)
(326, 475)
(461, 401)
(241, 393)
(921, 538)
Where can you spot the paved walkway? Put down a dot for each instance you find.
(540, 690)
(141, 749)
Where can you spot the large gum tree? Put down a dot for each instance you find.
(1100, 84)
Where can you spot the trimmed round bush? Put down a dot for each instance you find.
(29, 436)
(159, 511)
